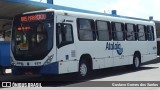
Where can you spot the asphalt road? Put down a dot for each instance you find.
(150, 71)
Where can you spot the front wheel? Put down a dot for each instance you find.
(136, 62)
(2, 70)
(83, 69)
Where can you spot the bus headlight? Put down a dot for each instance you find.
(49, 60)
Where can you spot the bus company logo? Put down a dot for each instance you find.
(114, 46)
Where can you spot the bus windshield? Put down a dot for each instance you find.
(32, 36)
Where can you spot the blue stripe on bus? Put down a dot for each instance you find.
(50, 69)
(5, 54)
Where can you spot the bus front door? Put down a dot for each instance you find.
(66, 50)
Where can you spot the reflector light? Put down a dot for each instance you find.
(23, 28)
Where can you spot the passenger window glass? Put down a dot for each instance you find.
(130, 32)
(141, 33)
(85, 24)
(118, 32)
(103, 30)
(85, 29)
(150, 33)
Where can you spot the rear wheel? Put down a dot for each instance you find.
(136, 62)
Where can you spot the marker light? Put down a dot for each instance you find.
(49, 60)
(23, 28)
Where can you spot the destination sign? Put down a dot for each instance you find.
(33, 17)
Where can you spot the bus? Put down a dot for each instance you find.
(157, 25)
(5, 37)
(59, 42)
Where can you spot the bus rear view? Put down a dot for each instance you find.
(32, 42)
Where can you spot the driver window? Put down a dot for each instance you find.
(68, 33)
(65, 35)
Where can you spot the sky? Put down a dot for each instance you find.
(132, 8)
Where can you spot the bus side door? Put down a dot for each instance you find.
(66, 51)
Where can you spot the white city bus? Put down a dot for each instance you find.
(59, 42)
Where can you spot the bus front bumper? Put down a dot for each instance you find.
(47, 69)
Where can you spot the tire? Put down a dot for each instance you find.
(16, 71)
(83, 70)
(136, 62)
(2, 71)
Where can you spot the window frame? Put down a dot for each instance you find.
(92, 23)
(115, 32)
(109, 30)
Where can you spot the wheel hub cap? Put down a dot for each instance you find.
(136, 62)
(83, 69)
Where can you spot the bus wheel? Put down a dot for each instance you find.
(83, 69)
(136, 62)
(2, 71)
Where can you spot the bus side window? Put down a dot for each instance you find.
(64, 34)
(130, 32)
(85, 29)
(103, 30)
(150, 33)
(141, 32)
(118, 31)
